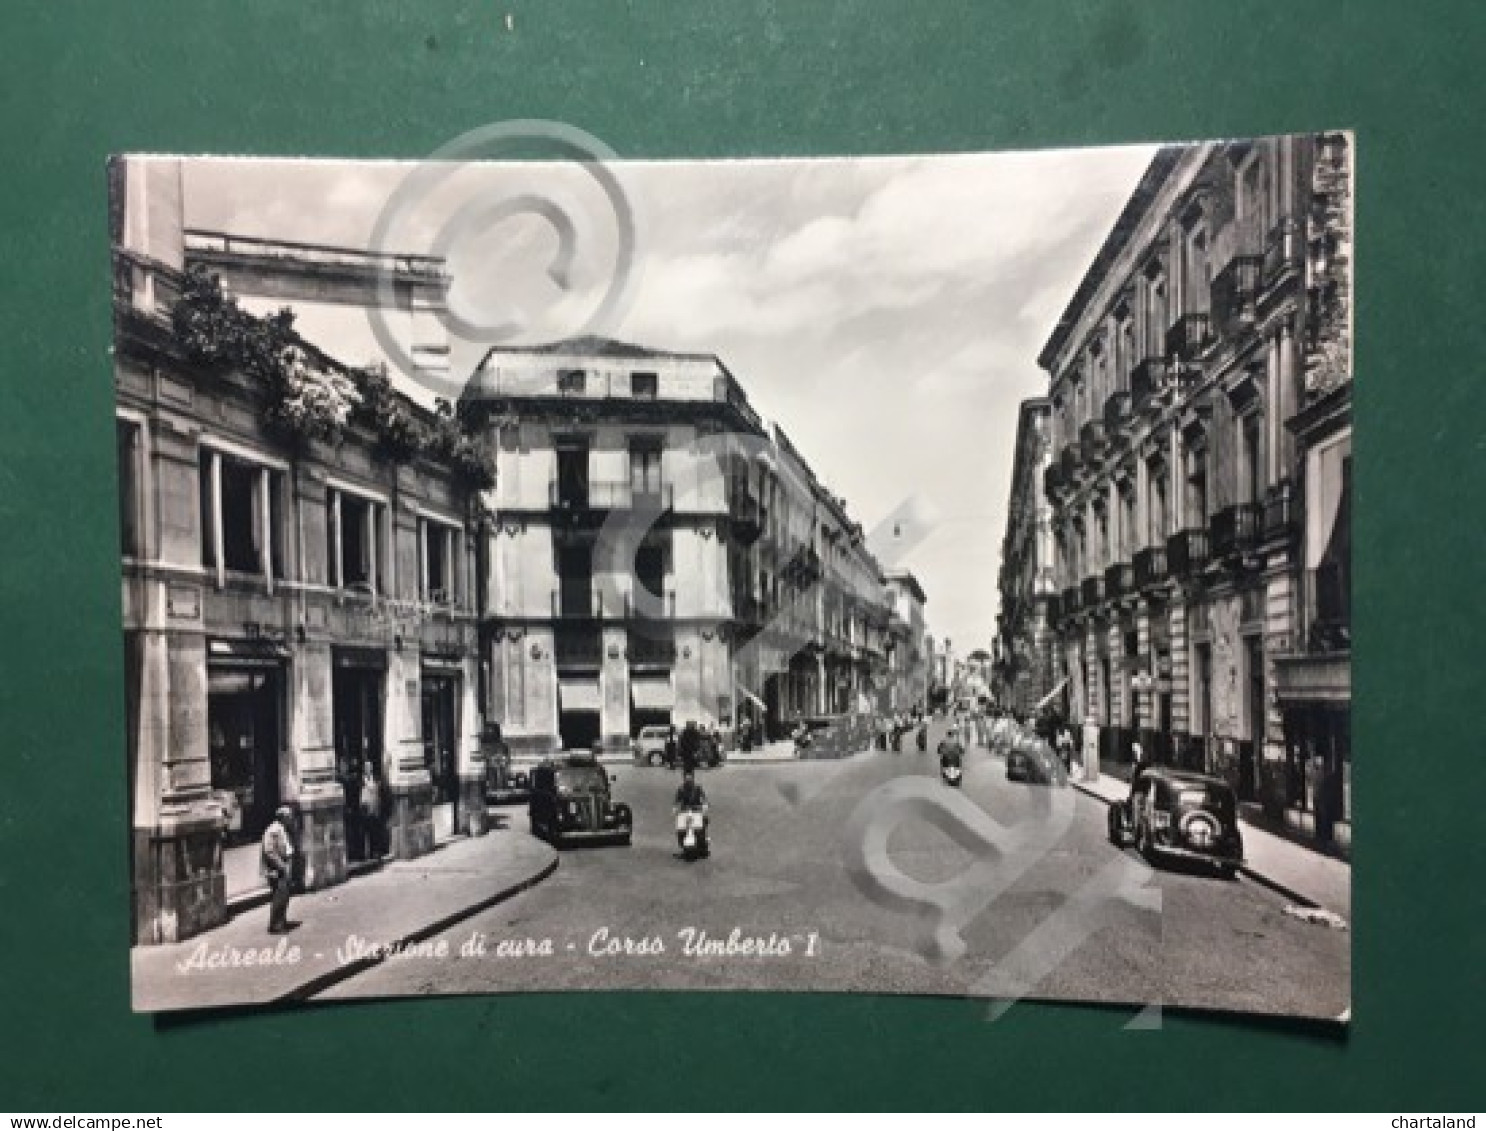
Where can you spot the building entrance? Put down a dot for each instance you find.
(244, 728)
(440, 749)
(356, 705)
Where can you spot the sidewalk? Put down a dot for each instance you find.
(781, 750)
(401, 903)
(1298, 873)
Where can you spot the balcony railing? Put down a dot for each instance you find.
(1068, 461)
(1119, 581)
(1091, 592)
(572, 603)
(1116, 411)
(1052, 480)
(1235, 529)
(1329, 602)
(1091, 439)
(1186, 553)
(592, 494)
(1150, 567)
(1281, 511)
(1189, 336)
(1147, 380)
(578, 649)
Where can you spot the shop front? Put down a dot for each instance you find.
(245, 714)
(357, 703)
(440, 703)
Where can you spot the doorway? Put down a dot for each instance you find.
(244, 727)
(440, 750)
(1249, 752)
(357, 725)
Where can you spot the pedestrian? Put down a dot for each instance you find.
(277, 866)
(671, 749)
(372, 818)
(690, 746)
(351, 797)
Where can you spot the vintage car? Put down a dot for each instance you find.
(571, 804)
(1034, 762)
(1181, 815)
(504, 785)
(650, 746)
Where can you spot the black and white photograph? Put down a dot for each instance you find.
(923, 574)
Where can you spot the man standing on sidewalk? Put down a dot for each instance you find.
(277, 864)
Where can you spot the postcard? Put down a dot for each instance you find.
(896, 575)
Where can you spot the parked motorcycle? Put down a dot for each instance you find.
(691, 832)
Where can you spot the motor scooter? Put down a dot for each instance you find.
(951, 772)
(691, 832)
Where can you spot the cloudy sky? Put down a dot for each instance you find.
(887, 312)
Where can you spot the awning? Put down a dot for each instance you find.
(246, 653)
(1051, 695)
(752, 698)
(578, 695)
(652, 694)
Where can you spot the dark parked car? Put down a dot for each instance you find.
(1035, 763)
(571, 804)
(504, 785)
(1180, 815)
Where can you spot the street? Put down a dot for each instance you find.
(777, 885)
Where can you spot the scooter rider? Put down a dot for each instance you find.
(951, 751)
(690, 795)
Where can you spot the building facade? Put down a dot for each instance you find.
(1024, 673)
(298, 590)
(909, 661)
(1200, 479)
(659, 554)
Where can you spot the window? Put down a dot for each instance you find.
(1127, 521)
(1197, 271)
(354, 532)
(1197, 489)
(644, 386)
(1158, 508)
(128, 445)
(1252, 203)
(439, 548)
(1251, 457)
(645, 467)
(572, 472)
(571, 381)
(1157, 318)
(242, 521)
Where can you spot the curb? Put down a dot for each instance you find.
(322, 982)
(1258, 877)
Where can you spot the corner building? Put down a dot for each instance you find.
(659, 554)
(1200, 477)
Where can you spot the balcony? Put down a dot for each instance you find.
(1147, 381)
(1281, 511)
(1119, 581)
(1186, 553)
(1052, 480)
(1070, 601)
(1116, 411)
(1091, 592)
(1150, 567)
(1282, 255)
(1068, 463)
(1328, 593)
(578, 649)
(589, 495)
(605, 603)
(1053, 604)
(1235, 291)
(1091, 439)
(746, 514)
(1235, 529)
(645, 650)
(1189, 336)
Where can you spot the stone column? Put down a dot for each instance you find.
(471, 811)
(320, 797)
(614, 691)
(410, 821)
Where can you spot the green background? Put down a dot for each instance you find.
(712, 79)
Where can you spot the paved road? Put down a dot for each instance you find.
(778, 872)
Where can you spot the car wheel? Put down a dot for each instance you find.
(1228, 871)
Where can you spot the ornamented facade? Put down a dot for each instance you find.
(1024, 673)
(1200, 478)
